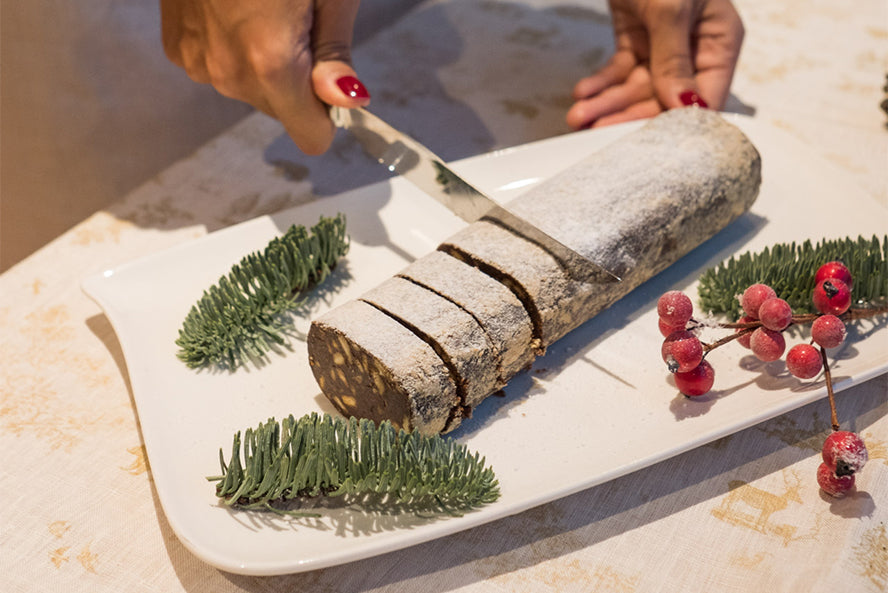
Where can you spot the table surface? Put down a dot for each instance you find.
(739, 514)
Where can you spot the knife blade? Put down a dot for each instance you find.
(404, 156)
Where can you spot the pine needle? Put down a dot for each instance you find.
(243, 316)
(319, 455)
(790, 269)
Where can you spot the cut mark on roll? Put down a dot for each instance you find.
(461, 409)
(564, 265)
(509, 282)
(451, 300)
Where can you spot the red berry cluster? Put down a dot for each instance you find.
(682, 350)
(766, 317)
(773, 315)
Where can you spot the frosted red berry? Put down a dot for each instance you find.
(834, 270)
(682, 351)
(775, 314)
(753, 297)
(845, 452)
(832, 296)
(675, 308)
(744, 339)
(767, 345)
(832, 484)
(696, 382)
(803, 361)
(666, 329)
(828, 331)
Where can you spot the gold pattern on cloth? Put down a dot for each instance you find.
(748, 562)
(106, 229)
(59, 528)
(88, 559)
(872, 556)
(876, 448)
(31, 403)
(139, 465)
(59, 556)
(85, 518)
(750, 507)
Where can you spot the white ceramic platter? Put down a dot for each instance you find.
(600, 404)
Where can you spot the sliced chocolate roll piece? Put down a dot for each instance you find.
(493, 305)
(531, 273)
(456, 336)
(370, 366)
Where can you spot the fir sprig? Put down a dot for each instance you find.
(319, 455)
(243, 315)
(790, 268)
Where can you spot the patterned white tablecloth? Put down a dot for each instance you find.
(741, 514)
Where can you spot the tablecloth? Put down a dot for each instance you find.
(743, 513)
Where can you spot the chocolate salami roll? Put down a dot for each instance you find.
(500, 299)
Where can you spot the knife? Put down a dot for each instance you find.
(404, 156)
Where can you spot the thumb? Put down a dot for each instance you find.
(333, 78)
(671, 61)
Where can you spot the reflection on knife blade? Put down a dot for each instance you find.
(406, 157)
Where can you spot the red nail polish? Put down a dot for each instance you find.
(690, 98)
(352, 87)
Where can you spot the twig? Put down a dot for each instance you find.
(748, 327)
(834, 417)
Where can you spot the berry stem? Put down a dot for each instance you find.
(834, 417)
(863, 312)
(750, 326)
(743, 325)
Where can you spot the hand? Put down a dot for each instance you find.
(669, 53)
(287, 58)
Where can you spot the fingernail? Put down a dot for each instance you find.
(352, 87)
(690, 98)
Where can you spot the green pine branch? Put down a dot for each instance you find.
(790, 268)
(243, 316)
(319, 455)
